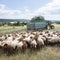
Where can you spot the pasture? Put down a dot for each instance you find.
(11, 29)
(47, 53)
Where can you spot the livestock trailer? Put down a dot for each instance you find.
(39, 25)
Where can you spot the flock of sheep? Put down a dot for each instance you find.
(10, 43)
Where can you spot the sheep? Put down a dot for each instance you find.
(19, 45)
(14, 44)
(22, 46)
(2, 38)
(8, 49)
(9, 41)
(53, 40)
(33, 44)
(9, 38)
(28, 40)
(0, 44)
(40, 42)
(59, 39)
(33, 40)
(42, 37)
(10, 46)
(32, 35)
(26, 34)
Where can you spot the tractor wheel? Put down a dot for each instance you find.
(52, 27)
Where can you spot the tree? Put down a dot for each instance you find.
(37, 18)
(18, 23)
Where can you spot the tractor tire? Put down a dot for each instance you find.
(52, 27)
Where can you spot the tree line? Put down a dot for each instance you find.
(18, 23)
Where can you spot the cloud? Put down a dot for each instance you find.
(2, 6)
(8, 13)
(14, 14)
(51, 11)
(50, 7)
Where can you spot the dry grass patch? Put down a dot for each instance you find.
(47, 53)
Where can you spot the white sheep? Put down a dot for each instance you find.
(40, 40)
(53, 40)
(33, 44)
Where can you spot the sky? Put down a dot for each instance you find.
(26, 9)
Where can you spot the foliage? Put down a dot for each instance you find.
(1, 23)
(17, 23)
(37, 18)
(57, 22)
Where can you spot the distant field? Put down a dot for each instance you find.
(10, 29)
(56, 24)
(57, 27)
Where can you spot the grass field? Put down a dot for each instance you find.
(10, 29)
(57, 27)
(47, 53)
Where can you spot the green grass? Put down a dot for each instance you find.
(56, 24)
(57, 27)
(10, 29)
(47, 53)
